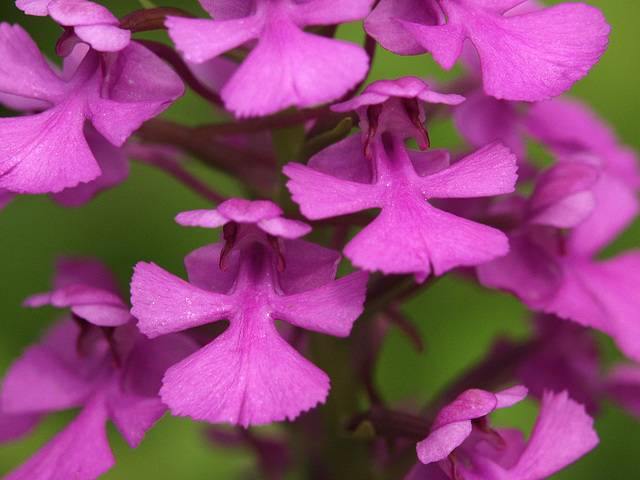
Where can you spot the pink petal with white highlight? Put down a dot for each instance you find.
(164, 303)
(321, 196)
(486, 172)
(23, 71)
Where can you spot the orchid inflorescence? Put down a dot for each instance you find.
(231, 344)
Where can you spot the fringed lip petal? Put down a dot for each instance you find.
(46, 152)
(487, 172)
(550, 49)
(288, 68)
(248, 376)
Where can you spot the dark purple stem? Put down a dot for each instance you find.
(150, 19)
(256, 170)
(393, 424)
(175, 170)
(167, 53)
(253, 125)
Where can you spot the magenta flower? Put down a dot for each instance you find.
(529, 56)
(465, 447)
(47, 151)
(114, 165)
(92, 23)
(409, 235)
(287, 67)
(97, 361)
(565, 357)
(557, 273)
(248, 375)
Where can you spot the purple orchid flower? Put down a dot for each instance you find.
(532, 55)
(47, 151)
(261, 272)
(96, 360)
(409, 235)
(91, 23)
(287, 67)
(591, 191)
(565, 357)
(466, 448)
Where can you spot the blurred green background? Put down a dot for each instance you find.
(133, 222)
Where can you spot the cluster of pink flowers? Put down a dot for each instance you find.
(209, 347)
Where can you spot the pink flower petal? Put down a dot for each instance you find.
(289, 67)
(549, 49)
(344, 159)
(528, 271)
(486, 172)
(563, 433)
(23, 70)
(104, 38)
(80, 12)
(86, 271)
(39, 8)
(49, 376)
(247, 376)
(331, 308)
(308, 265)
(204, 272)
(164, 303)
(382, 23)
(80, 451)
(410, 235)
(113, 163)
(562, 197)
(330, 12)
(453, 424)
(615, 208)
(201, 40)
(604, 296)
(245, 211)
(284, 227)
(13, 427)
(201, 218)
(320, 195)
(483, 119)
